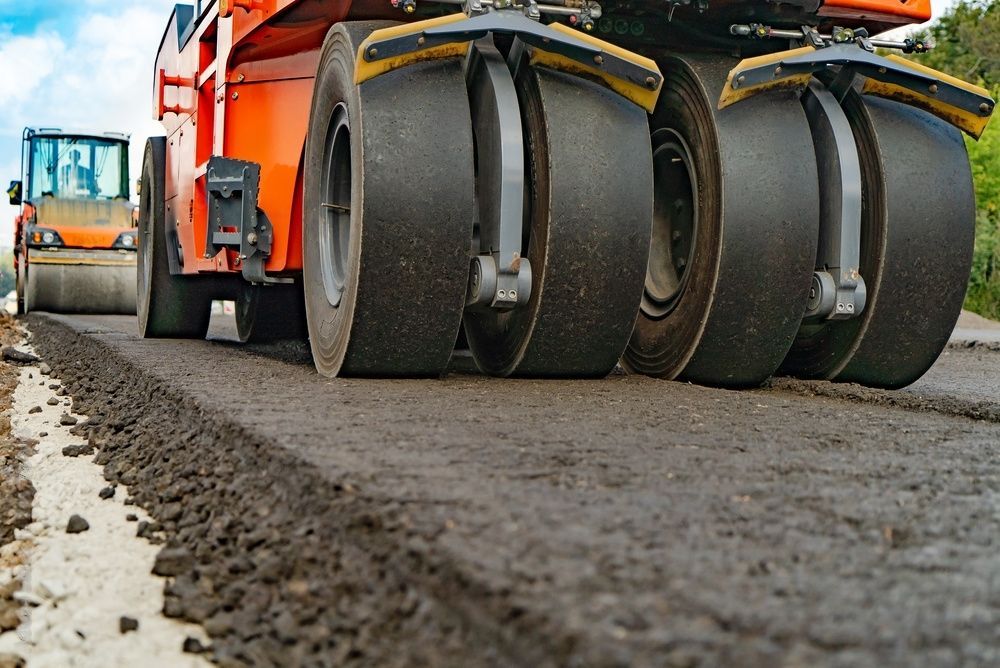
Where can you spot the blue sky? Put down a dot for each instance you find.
(82, 64)
(76, 64)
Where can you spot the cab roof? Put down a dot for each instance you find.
(58, 132)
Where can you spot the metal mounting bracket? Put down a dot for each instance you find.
(838, 291)
(499, 278)
(234, 221)
(964, 105)
(635, 77)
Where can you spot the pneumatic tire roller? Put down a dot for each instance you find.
(493, 173)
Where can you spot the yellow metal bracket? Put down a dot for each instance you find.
(635, 77)
(962, 104)
(371, 61)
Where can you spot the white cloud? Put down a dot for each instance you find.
(97, 77)
(24, 63)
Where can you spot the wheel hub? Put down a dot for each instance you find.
(675, 223)
(335, 209)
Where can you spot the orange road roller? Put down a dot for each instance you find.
(708, 190)
(75, 237)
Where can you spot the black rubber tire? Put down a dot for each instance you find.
(22, 267)
(168, 306)
(267, 313)
(27, 301)
(406, 247)
(918, 229)
(745, 285)
(589, 206)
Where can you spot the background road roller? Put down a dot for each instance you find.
(74, 239)
(710, 190)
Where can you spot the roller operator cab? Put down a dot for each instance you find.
(75, 238)
(710, 190)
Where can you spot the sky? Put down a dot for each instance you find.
(76, 64)
(83, 64)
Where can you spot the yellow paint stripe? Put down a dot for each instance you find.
(365, 70)
(732, 95)
(640, 95)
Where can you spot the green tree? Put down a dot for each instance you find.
(967, 45)
(7, 277)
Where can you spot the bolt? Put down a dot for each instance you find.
(241, 78)
(420, 41)
(372, 52)
(881, 70)
(777, 70)
(236, 96)
(598, 59)
(850, 308)
(513, 295)
(840, 307)
(984, 108)
(676, 235)
(651, 82)
(933, 89)
(252, 238)
(812, 292)
(502, 294)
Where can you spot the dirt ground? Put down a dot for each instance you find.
(16, 493)
(474, 521)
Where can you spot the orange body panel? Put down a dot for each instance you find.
(884, 11)
(241, 87)
(87, 237)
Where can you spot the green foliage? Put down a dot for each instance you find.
(967, 45)
(6, 273)
(967, 42)
(983, 296)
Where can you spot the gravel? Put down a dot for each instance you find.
(173, 561)
(16, 492)
(77, 524)
(15, 356)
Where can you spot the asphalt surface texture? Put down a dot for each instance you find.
(472, 521)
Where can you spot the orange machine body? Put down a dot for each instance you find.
(240, 87)
(237, 81)
(899, 12)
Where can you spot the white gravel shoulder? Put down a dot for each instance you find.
(78, 586)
